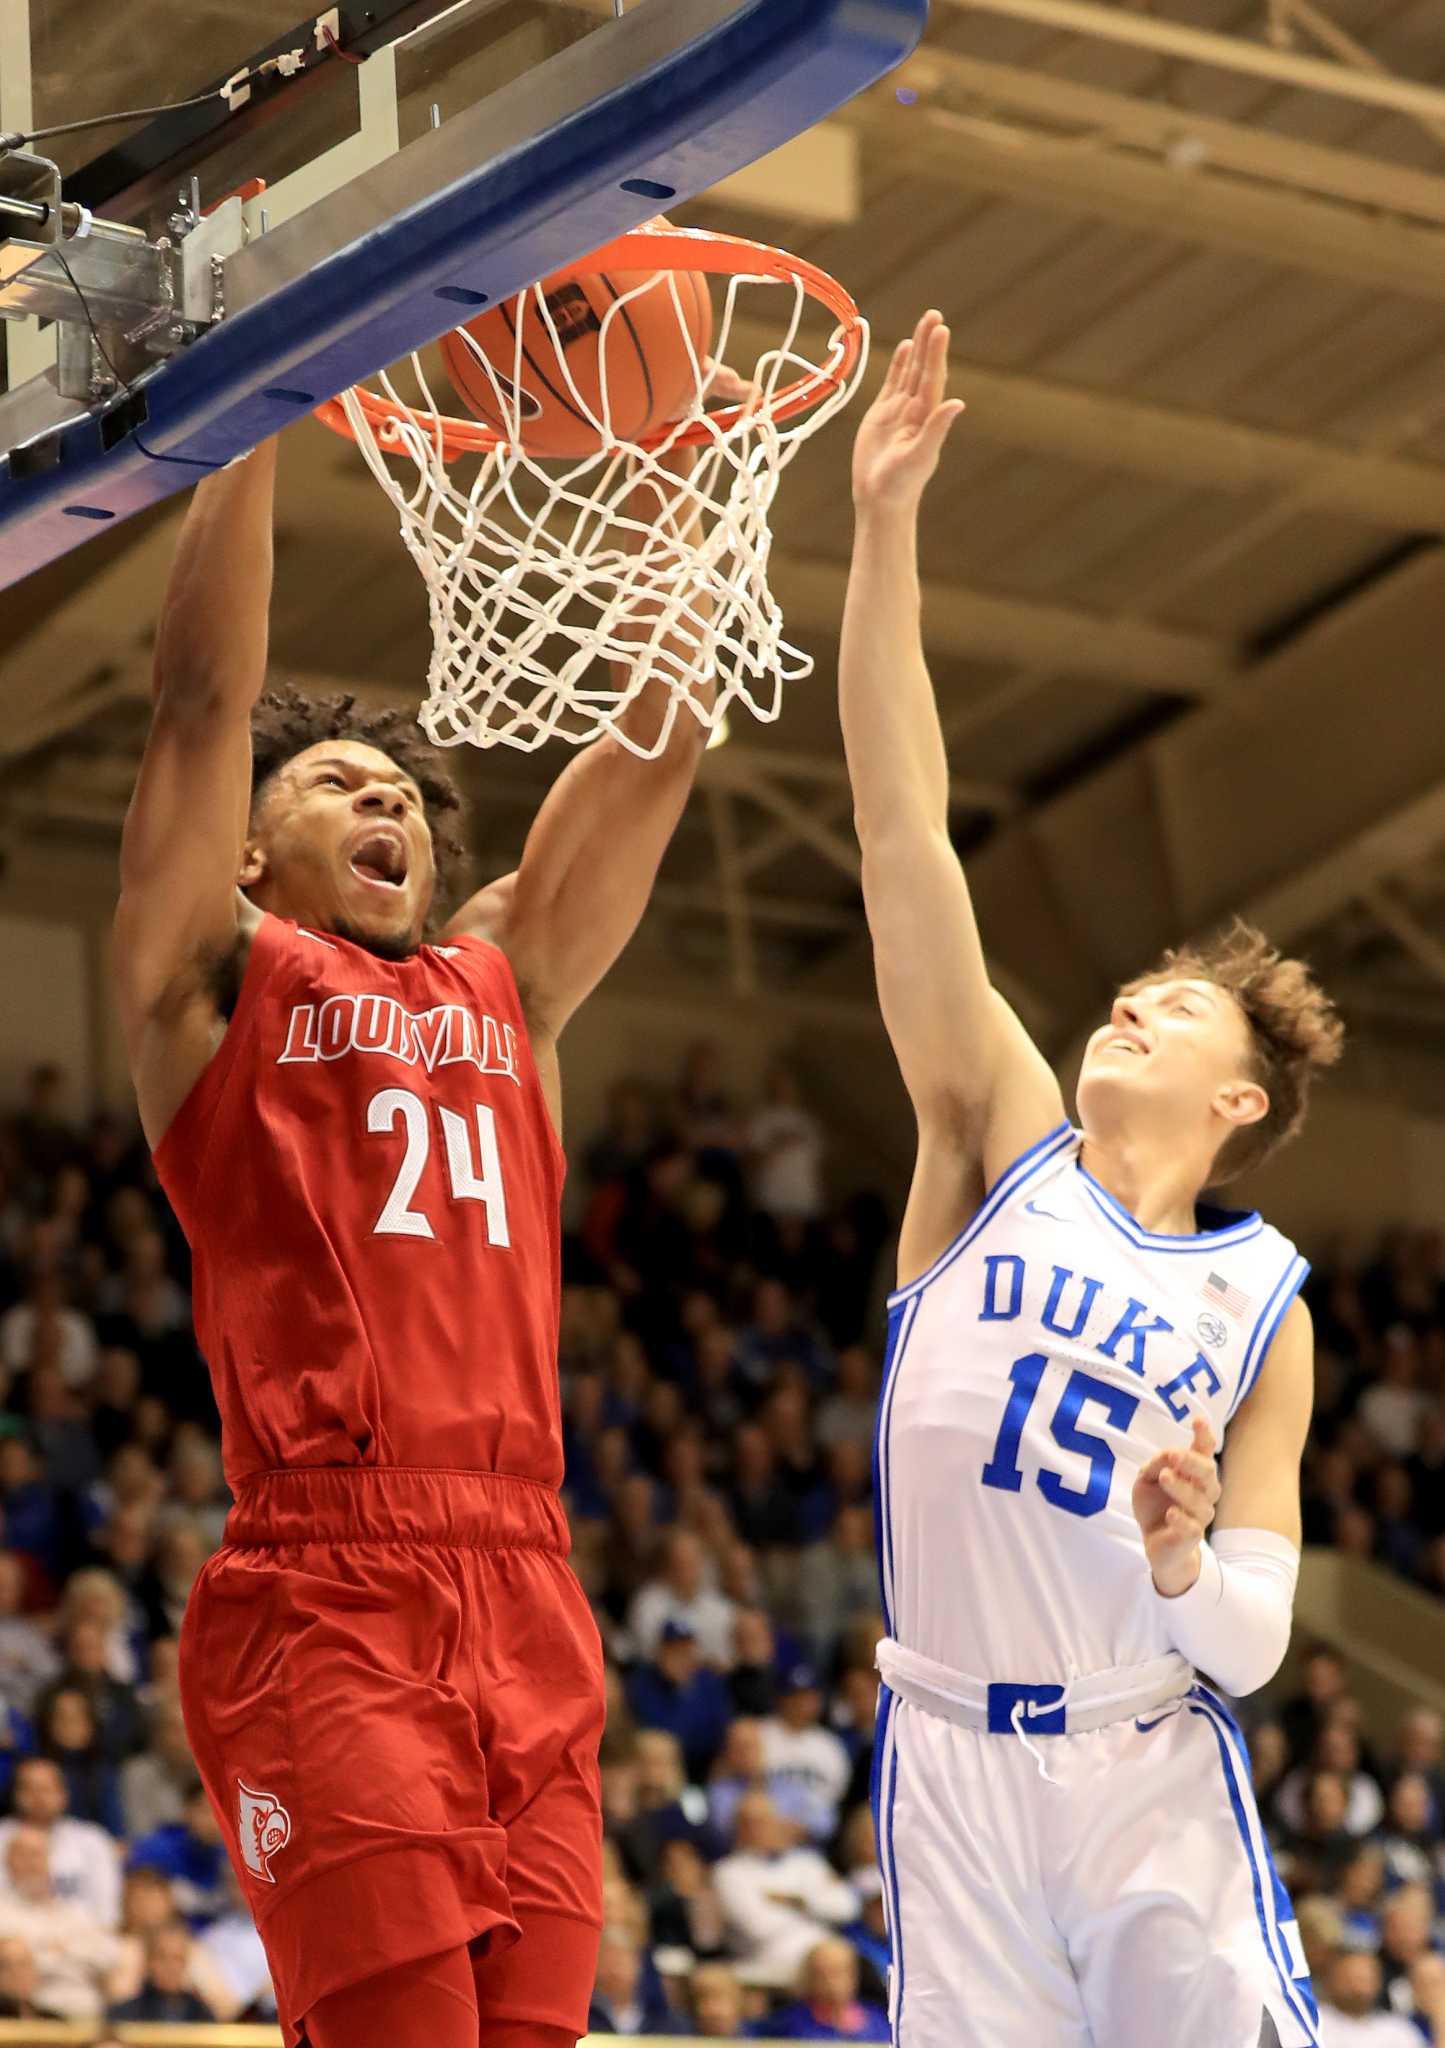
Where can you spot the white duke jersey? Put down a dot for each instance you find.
(1031, 1371)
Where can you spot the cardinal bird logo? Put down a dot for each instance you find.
(265, 1829)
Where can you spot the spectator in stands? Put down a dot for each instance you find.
(35, 1516)
(678, 1692)
(666, 1808)
(629, 1135)
(1427, 1473)
(798, 1748)
(776, 1336)
(837, 1578)
(83, 1860)
(715, 2001)
(155, 1785)
(1350, 2015)
(778, 1898)
(74, 1954)
(179, 1555)
(43, 1134)
(165, 1994)
(113, 1704)
(20, 1982)
(197, 1488)
(828, 2007)
(784, 1146)
(753, 1679)
(681, 1593)
(1322, 1845)
(59, 1421)
(1407, 1920)
(68, 1734)
(1420, 1747)
(1337, 1749)
(45, 1329)
(192, 1856)
(849, 1413)
(115, 1391)
(763, 1507)
(741, 1769)
(623, 2001)
(683, 1907)
(1410, 1839)
(237, 1975)
(1357, 1897)
(149, 1908)
(97, 1596)
(1322, 1685)
(1393, 1407)
(27, 1654)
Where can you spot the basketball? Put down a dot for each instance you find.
(640, 362)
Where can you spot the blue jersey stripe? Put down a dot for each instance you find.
(1297, 1996)
(900, 1327)
(896, 1918)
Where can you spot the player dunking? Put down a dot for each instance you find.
(1070, 1846)
(391, 1678)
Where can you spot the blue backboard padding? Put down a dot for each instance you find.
(760, 75)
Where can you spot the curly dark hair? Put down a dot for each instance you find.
(285, 723)
(1295, 1030)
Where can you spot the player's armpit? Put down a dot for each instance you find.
(1265, 1444)
(586, 874)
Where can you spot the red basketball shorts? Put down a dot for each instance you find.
(393, 1688)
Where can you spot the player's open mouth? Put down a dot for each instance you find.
(380, 858)
(1129, 1045)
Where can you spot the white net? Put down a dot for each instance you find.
(559, 591)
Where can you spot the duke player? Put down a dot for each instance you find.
(392, 1681)
(1070, 1847)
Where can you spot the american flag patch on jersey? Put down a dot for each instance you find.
(1218, 1290)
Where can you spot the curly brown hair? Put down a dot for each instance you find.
(285, 723)
(1294, 1027)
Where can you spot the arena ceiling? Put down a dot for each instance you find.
(1185, 578)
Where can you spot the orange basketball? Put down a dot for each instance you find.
(650, 379)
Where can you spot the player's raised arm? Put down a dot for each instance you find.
(185, 832)
(981, 1091)
(591, 858)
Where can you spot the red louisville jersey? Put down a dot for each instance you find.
(370, 1183)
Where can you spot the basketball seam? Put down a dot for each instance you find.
(642, 362)
(530, 360)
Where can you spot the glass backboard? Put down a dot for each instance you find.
(393, 162)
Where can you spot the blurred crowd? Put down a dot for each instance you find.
(720, 1368)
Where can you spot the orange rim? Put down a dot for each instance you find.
(653, 248)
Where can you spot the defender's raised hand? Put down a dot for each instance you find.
(902, 436)
(1174, 1501)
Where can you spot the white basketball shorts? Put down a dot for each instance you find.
(1131, 1903)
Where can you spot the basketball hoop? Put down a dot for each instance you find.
(537, 572)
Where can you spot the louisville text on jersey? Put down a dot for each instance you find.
(442, 1037)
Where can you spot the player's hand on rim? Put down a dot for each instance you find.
(903, 434)
(1174, 1499)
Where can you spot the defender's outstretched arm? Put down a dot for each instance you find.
(981, 1091)
(185, 831)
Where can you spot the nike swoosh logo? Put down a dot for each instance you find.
(1034, 1210)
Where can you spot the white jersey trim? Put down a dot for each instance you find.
(1011, 1183)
